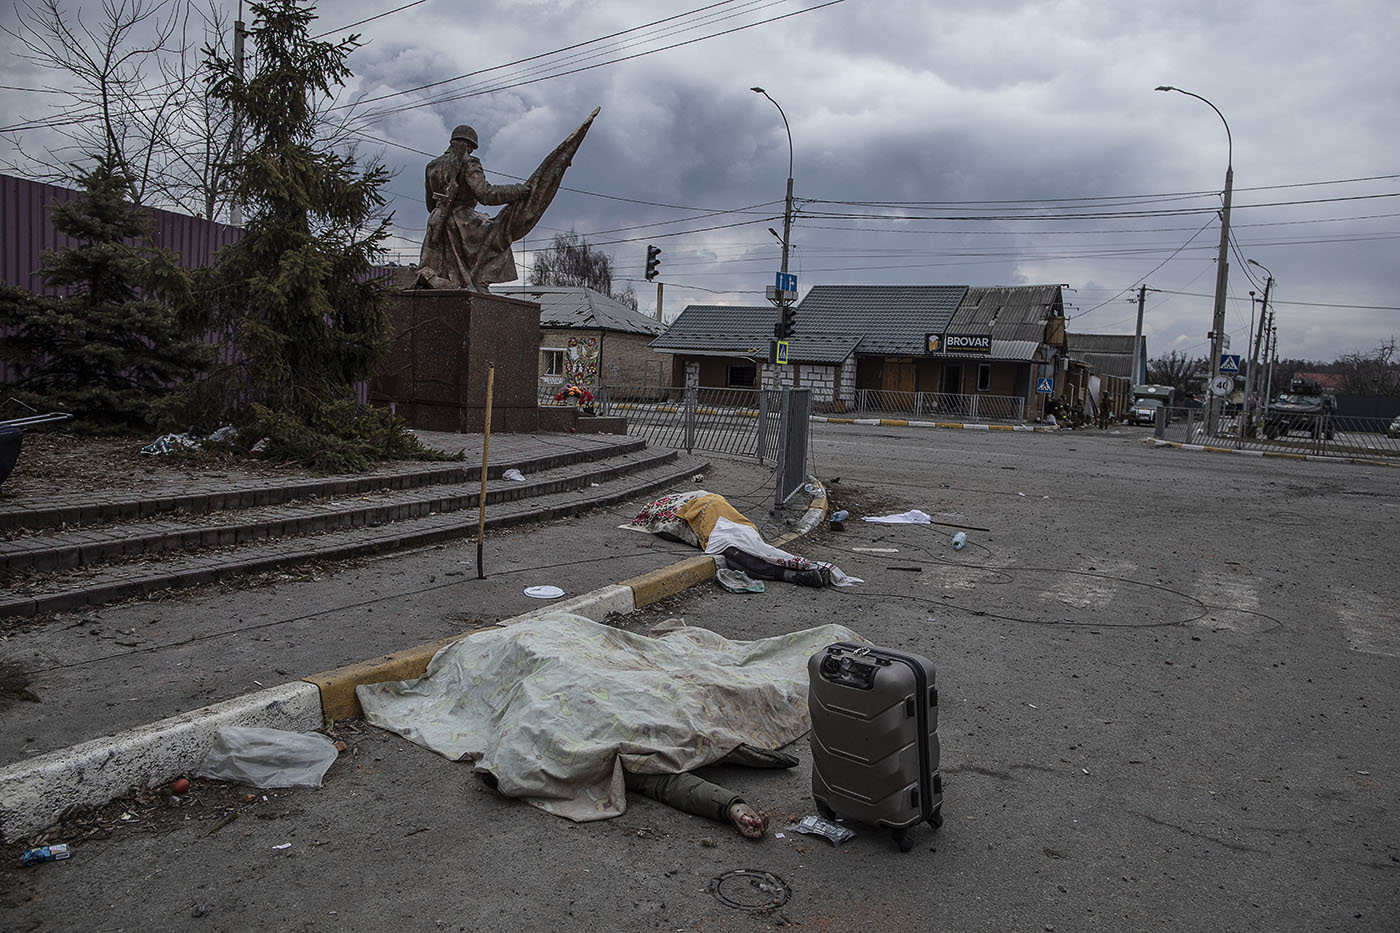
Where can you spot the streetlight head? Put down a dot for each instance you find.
(1253, 263)
(758, 90)
(1166, 87)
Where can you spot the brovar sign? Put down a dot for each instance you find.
(967, 343)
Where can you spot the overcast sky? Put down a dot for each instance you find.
(973, 133)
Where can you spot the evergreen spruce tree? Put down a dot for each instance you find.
(119, 341)
(294, 298)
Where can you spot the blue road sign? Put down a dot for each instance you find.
(784, 282)
(1230, 363)
(781, 357)
(1045, 385)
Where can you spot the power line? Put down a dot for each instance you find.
(368, 19)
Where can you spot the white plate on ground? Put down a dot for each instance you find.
(544, 592)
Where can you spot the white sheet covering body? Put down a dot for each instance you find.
(728, 534)
(558, 706)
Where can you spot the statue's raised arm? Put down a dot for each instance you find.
(464, 248)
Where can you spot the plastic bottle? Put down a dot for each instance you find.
(959, 540)
(840, 516)
(44, 854)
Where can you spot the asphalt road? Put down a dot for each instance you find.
(1169, 687)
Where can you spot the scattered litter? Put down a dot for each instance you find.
(750, 889)
(227, 433)
(876, 550)
(514, 475)
(1032, 706)
(167, 443)
(840, 516)
(51, 853)
(1085, 770)
(543, 592)
(1021, 494)
(259, 447)
(911, 517)
(819, 826)
(285, 845)
(780, 835)
(959, 540)
(268, 757)
(181, 786)
(809, 489)
(736, 581)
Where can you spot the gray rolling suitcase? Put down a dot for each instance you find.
(875, 737)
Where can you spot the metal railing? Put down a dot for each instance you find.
(743, 422)
(939, 406)
(1324, 435)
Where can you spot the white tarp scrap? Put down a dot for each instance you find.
(556, 707)
(911, 517)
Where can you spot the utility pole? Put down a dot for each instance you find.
(1272, 353)
(1137, 338)
(235, 210)
(658, 303)
(1252, 383)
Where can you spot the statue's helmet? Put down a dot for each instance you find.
(466, 133)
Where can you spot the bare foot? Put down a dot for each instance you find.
(750, 823)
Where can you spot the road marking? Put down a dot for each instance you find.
(1371, 626)
(1231, 603)
(1087, 590)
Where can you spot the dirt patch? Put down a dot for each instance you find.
(57, 463)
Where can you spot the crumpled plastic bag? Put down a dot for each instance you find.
(268, 757)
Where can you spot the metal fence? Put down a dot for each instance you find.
(794, 431)
(743, 422)
(1325, 435)
(940, 406)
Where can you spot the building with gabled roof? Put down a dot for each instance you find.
(587, 338)
(950, 340)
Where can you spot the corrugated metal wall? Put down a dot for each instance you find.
(26, 231)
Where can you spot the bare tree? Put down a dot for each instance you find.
(135, 93)
(570, 261)
(1176, 370)
(1374, 373)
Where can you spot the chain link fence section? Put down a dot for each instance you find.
(1324, 435)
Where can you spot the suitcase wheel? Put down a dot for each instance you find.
(937, 819)
(824, 811)
(903, 838)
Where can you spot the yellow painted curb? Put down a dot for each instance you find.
(655, 586)
(1218, 450)
(1000, 427)
(894, 423)
(338, 700)
(840, 421)
(948, 424)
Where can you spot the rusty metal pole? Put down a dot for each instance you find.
(485, 458)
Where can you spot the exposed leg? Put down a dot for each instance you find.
(701, 797)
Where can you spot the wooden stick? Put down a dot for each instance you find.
(485, 457)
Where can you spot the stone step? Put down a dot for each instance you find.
(528, 456)
(73, 589)
(85, 547)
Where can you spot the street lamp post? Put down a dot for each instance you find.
(1222, 267)
(787, 209)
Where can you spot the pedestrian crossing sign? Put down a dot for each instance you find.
(782, 354)
(1045, 385)
(1230, 363)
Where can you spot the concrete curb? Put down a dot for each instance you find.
(1268, 454)
(37, 792)
(955, 425)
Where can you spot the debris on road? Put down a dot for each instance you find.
(514, 475)
(820, 826)
(911, 517)
(268, 757)
(543, 592)
(51, 853)
(736, 581)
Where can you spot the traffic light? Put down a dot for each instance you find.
(653, 261)
(787, 321)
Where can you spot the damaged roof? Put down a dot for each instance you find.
(581, 307)
(1014, 315)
